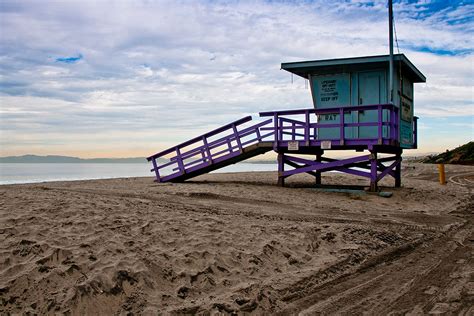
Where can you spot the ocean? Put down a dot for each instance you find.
(12, 173)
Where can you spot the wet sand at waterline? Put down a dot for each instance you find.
(237, 243)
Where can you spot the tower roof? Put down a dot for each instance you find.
(341, 65)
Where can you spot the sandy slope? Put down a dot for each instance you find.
(236, 243)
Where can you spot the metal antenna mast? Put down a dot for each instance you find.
(390, 39)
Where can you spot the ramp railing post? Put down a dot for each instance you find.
(208, 151)
(237, 139)
(179, 159)
(157, 172)
(229, 144)
(259, 136)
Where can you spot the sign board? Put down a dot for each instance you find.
(293, 145)
(326, 144)
(331, 90)
(407, 100)
(407, 88)
(407, 109)
(406, 133)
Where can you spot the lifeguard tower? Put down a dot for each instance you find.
(351, 98)
(352, 112)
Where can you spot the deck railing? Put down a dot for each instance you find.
(306, 131)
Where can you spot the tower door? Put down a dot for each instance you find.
(372, 90)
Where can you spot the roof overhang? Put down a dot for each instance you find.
(342, 65)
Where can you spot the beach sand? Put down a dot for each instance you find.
(237, 243)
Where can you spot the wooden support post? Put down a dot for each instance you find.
(398, 172)
(318, 173)
(373, 171)
(281, 168)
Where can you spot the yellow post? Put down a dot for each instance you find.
(442, 175)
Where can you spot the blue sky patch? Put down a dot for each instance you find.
(440, 51)
(69, 60)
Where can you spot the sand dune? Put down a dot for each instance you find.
(236, 243)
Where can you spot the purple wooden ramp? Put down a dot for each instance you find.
(216, 149)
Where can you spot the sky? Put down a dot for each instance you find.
(130, 78)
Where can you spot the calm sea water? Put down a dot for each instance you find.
(11, 173)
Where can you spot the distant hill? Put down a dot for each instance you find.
(462, 155)
(66, 159)
(262, 162)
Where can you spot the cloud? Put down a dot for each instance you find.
(166, 70)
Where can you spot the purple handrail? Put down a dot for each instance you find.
(200, 151)
(196, 139)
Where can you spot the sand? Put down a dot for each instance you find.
(237, 244)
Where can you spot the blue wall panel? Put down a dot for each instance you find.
(332, 91)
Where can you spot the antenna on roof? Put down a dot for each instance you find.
(390, 39)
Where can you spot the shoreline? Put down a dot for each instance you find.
(119, 178)
(82, 171)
